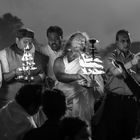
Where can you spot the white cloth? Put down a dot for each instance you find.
(14, 122)
(71, 68)
(80, 100)
(46, 50)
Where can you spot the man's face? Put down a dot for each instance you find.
(123, 42)
(23, 42)
(54, 41)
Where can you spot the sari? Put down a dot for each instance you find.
(80, 100)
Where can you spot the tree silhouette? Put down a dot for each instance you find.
(8, 26)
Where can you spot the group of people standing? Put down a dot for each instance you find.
(58, 67)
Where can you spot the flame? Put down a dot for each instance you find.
(90, 65)
(27, 47)
(27, 64)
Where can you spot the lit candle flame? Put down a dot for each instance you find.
(27, 64)
(90, 65)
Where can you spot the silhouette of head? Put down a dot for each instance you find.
(74, 129)
(54, 104)
(29, 97)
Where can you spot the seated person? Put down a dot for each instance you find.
(16, 117)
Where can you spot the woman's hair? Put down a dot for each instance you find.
(71, 38)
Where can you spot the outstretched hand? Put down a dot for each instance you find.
(136, 58)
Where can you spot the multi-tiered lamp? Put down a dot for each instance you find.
(92, 66)
(28, 65)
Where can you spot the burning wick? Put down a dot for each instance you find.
(90, 65)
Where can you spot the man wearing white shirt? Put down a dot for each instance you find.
(54, 47)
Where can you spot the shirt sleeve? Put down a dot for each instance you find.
(108, 65)
(4, 61)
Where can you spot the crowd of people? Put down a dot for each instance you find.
(66, 91)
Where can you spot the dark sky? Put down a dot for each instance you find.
(99, 18)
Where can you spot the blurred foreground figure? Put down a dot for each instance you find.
(16, 117)
(73, 128)
(54, 107)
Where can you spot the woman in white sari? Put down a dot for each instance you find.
(74, 84)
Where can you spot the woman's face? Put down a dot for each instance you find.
(78, 43)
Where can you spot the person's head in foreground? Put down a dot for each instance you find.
(73, 128)
(29, 97)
